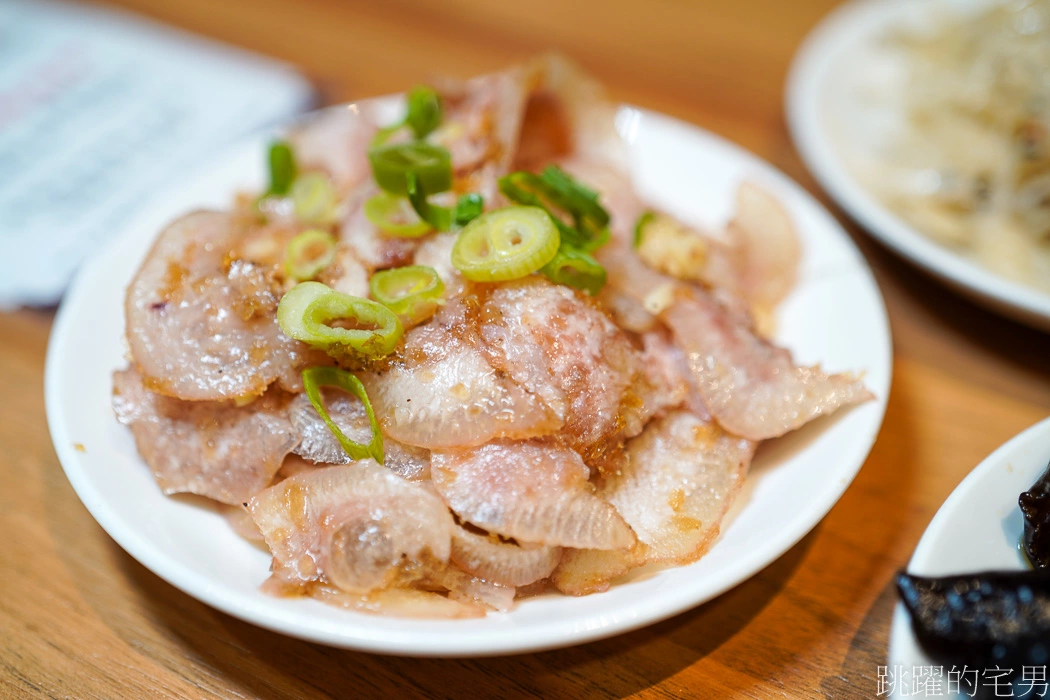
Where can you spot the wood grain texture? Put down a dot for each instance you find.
(79, 618)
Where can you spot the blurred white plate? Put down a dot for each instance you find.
(817, 96)
(835, 316)
(978, 528)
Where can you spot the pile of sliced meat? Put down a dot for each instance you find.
(536, 438)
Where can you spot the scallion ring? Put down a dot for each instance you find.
(395, 216)
(369, 330)
(422, 116)
(469, 207)
(576, 269)
(308, 253)
(528, 189)
(316, 377)
(505, 244)
(555, 191)
(282, 168)
(431, 164)
(579, 199)
(437, 216)
(424, 111)
(413, 292)
(313, 198)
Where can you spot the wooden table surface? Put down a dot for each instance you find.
(80, 618)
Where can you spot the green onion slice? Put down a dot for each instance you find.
(424, 111)
(369, 330)
(437, 216)
(580, 200)
(395, 216)
(469, 207)
(576, 269)
(316, 377)
(555, 191)
(639, 226)
(431, 164)
(505, 244)
(422, 116)
(313, 198)
(308, 253)
(413, 292)
(282, 168)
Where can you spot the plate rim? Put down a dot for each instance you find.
(900, 623)
(642, 613)
(806, 79)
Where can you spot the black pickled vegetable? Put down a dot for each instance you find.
(981, 619)
(1035, 506)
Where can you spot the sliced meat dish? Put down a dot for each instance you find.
(533, 491)
(334, 139)
(564, 351)
(534, 436)
(751, 386)
(769, 247)
(346, 274)
(675, 484)
(568, 115)
(436, 252)
(586, 571)
(374, 249)
(506, 563)
(756, 259)
(240, 521)
(356, 527)
(481, 127)
(402, 602)
(318, 444)
(441, 392)
(635, 292)
(209, 448)
(202, 326)
(664, 382)
(471, 590)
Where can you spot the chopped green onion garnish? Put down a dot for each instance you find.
(437, 216)
(282, 168)
(316, 377)
(505, 244)
(368, 330)
(555, 190)
(313, 198)
(422, 116)
(424, 111)
(581, 201)
(639, 226)
(309, 253)
(469, 207)
(391, 164)
(414, 292)
(395, 216)
(576, 269)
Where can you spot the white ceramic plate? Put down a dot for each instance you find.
(835, 316)
(819, 98)
(978, 528)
